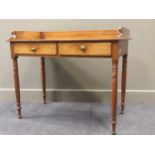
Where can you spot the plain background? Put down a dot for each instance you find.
(93, 74)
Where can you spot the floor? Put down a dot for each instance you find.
(68, 118)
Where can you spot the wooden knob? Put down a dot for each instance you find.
(33, 49)
(83, 48)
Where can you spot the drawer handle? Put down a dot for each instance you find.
(83, 48)
(33, 49)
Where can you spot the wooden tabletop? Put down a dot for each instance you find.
(96, 35)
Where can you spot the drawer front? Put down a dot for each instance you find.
(85, 49)
(34, 49)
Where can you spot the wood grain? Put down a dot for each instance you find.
(43, 79)
(41, 49)
(98, 43)
(115, 57)
(17, 86)
(91, 49)
(118, 34)
(123, 82)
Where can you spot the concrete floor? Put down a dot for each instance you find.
(76, 118)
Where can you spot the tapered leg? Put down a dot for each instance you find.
(123, 90)
(17, 86)
(43, 77)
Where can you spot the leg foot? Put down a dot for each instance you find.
(19, 112)
(19, 117)
(122, 112)
(113, 133)
(44, 99)
(122, 109)
(113, 128)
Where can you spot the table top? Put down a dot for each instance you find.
(121, 33)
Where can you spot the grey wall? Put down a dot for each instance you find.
(80, 73)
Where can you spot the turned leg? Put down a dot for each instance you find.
(114, 95)
(17, 86)
(123, 90)
(115, 57)
(43, 77)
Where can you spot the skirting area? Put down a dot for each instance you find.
(76, 118)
